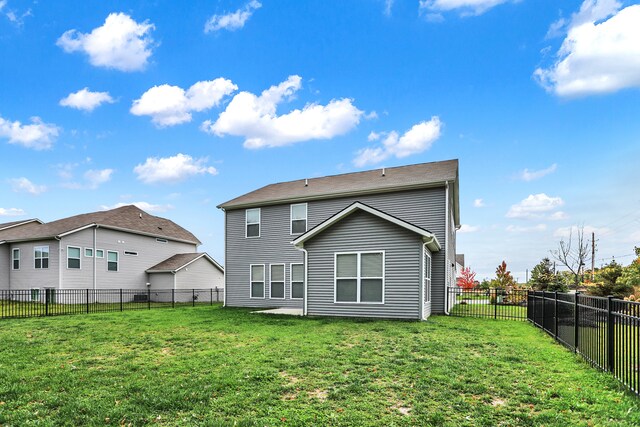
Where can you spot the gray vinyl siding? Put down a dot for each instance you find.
(424, 208)
(161, 281)
(28, 276)
(358, 232)
(5, 265)
(198, 275)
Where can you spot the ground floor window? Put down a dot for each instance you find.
(276, 281)
(297, 281)
(257, 280)
(35, 294)
(359, 277)
(427, 276)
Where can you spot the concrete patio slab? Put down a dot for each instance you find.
(287, 311)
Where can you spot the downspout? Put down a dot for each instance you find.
(224, 273)
(306, 258)
(446, 247)
(423, 278)
(59, 262)
(95, 273)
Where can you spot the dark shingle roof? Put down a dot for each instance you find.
(177, 261)
(14, 223)
(372, 181)
(129, 218)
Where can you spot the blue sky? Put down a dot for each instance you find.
(179, 106)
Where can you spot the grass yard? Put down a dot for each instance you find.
(214, 366)
(490, 310)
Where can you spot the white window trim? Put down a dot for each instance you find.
(306, 216)
(358, 277)
(291, 280)
(117, 262)
(85, 253)
(284, 281)
(13, 251)
(264, 274)
(79, 257)
(96, 253)
(48, 258)
(246, 224)
(31, 295)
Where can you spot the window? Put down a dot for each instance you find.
(297, 281)
(35, 294)
(73, 257)
(159, 240)
(15, 259)
(131, 253)
(257, 281)
(99, 253)
(359, 277)
(41, 257)
(112, 261)
(276, 281)
(427, 277)
(298, 218)
(252, 217)
(88, 252)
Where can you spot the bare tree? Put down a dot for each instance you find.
(573, 253)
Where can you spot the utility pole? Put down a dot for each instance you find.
(593, 255)
(527, 275)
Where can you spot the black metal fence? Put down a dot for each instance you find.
(54, 302)
(604, 331)
(490, 303)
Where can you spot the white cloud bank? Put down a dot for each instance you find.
(92, 179)
(433, 8)
(600, 54)
(38, 135)
(466, 228)
(535, 206)
(528, 175)
(172, 169)
(419, 138)
(86, 100)
(232, 21)
(255, 118)
(23, 185)
(171, 105)
(478, 203)
(565, 232)
(11, 212)
(145, 206)
(120, 43)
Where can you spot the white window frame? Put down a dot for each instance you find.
(117, 261)
(31, 298)
(101, 251)
(85, 252)
(79, 258)
(13, 258)
(291, 280)
(264, 276)
(247, 223)
(284, 281)
(291, 219)
(358, 277)
(427, 277)
(48, 258)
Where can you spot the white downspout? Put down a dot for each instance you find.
(446, 247)
(59, 261)
(95, 272)
(306, 264)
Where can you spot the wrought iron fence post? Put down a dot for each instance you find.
(217, 294)
(46, 301)
(148, 298)
(173, 298)
(610, 335)
(576, 322)
(87, 301)
(555, 315)
(120, 299)
(495, 305)
(212, 295)
(542, 324)
(193, 297)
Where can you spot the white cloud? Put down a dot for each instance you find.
(596, 57)
(255, 118)
(92, 178)
(466, 7)
(23, 185)
(14, 17)
(466, 228)
(95, 178)
(416, 140)
(558, 216)
(120, 43)
(534, 206)
(11, 212)
(86, 100)
(172, 169)
(171, 105)
(527, 175)
(574, 229)
(478, 203)
(520, 229)
(145, 206)
(388, 4)
(38, 135)
(232, 21)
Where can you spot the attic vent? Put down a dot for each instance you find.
(306, 182)
(159, 240)
(382, 171)
(140, 215)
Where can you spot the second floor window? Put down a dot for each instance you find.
(41, 257)
(252, 217)
(16, 259)
(112, 261)
(73, 257)
(298, 218)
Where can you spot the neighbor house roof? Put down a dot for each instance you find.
(7, 225)
(180, 261)
(128, 218)
(357, 183)
(427, 237)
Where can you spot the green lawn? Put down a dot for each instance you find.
(213, 366)
(500, 311)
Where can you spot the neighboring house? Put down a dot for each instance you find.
(378, 243)
(123, 248)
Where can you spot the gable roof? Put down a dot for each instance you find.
(179, 261)
(7, 225)
(373, 181)
(427, 237)
(128, 218)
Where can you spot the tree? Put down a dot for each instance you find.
(630, 276)
(504, 279)
(543, 278)
(607, 283)
(467, 279)
(573, 253)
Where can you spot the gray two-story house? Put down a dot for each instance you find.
(379, 243)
